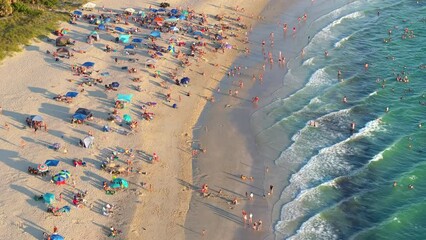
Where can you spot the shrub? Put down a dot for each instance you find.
(164, 5)
(5, 8)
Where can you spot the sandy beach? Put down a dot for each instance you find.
(156, 202)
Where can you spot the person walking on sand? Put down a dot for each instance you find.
(155, 157)
(251, 196)
(244, 213)
(250, 218)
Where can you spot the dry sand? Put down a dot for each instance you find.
(29, 81)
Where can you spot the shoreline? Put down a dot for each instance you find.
(149, 220)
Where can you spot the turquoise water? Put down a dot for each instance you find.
(341, 186)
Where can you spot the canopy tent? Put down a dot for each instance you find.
(56, 236)
(52, 163)
(124, 97)
(48, 198)
(155, 34)
(87, 142)
(119, 183)
(63, 41)
(89, 5)
(36, 118)
(124, 38)
(129, 10)
(88, 64)
(71, 94)
(76, 12)
(79, 116)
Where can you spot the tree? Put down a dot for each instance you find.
(5, 8)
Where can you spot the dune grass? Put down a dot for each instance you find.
(27, 23)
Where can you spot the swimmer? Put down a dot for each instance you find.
(387, 109)
(395, 184)
(326, 53)
(352, 126)
(345, 100)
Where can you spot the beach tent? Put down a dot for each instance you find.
(124, 38)
(119, 183)
(79, 13)
(63, 51)
(63, 41)
(89, 5)
(48, 198)
(127, 118)
(184, 80)
(120, 29)
(155, 34)
(124, 97)
(56, 236)
(87, 142)
(71, 94)
(52, 163)
(88, 64)
(129, 10)
(115, 84)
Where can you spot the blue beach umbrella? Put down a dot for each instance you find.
(115, 84)
(65, 173)
(88, 64)
(120, 29)
(182, 17)
(48, 198)
(153, 10)
(58, 178)
(185, 80)
(107, 20)
(137, 40)
(76, 12)
(174, 11)
(56, 236)
(102, 27)
(71, 94)
(155, 34)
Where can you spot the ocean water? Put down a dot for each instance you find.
(341, 186)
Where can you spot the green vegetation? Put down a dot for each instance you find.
(24, 20)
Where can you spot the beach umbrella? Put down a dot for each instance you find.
(182, 17)
(161, 10)
(58, 178)
(88, 141)
(174, 11)
(65, 173)
(175, 29)
(52, 163)
(142, 13)
(137, 40)
(56, 236)
(71, 94)
(107, 20)
(120, 29)
(185, 80)
(127, 118)
(129, 10)
(228, 46)
(115, 84)
(124, 38)
(89, 5)
(101, 27)
(124, 97)
(79, 116)
(153, 10)
(65, 209)
(185, 12)
(42, 168)
(129, 47)
(155, 34)
(37, 118)
(122, 183)
(88, 64)
(76, 12)
(48, 198)
(219, 37)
